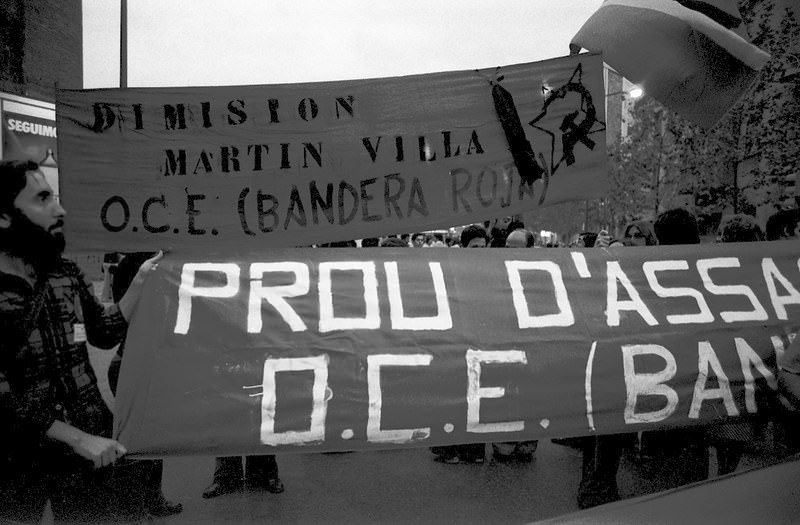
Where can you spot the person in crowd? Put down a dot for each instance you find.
(338, 244)
(418, 240)
(676, 226)
(602, 454)
(500, 229)
(784, 224)
(436, 241)
(520, 238)
(230, 475)
(154, 499)
(370, 242)
(681, 454)
(393, 242)
(740, 228)
(519, 451)
(640, 233)
(473, 236)
(731, 439)
(56, 441)
(789, 376)
(584, 240)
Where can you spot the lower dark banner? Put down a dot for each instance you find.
(352, 349)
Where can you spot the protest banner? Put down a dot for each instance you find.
(307, 349)
(235, 168)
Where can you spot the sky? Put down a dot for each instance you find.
(236, 42)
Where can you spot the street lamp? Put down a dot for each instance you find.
(635, 93)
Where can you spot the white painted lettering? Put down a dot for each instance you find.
(703, 316)
(328, 321)
(276, 295)
(564, 316)
(707, 358)
(649, 384)
(188, 289)
(614, 306)
(441, 321)
(779, 302)
(374, 365)
(758, 313)
(475, 392)
(319, 410)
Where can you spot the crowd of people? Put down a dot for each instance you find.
(56, 443)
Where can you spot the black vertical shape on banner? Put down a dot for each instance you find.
(518, 144)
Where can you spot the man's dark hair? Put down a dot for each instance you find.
(587, 239)
(740, 228)
(339, 244)
(13, 181)
(370, 242)
(393, 242)
(473, 231)
(782, 224)
(677, 226)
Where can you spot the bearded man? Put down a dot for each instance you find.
(55, 432)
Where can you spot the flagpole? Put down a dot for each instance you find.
(123, 44)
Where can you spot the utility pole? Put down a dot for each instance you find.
(123, 44)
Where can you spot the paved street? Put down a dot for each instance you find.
(403, 486)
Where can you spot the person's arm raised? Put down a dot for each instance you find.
(131, 297)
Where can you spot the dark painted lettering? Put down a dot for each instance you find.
(192, 212)
(391, 198)
(346, 103)
(205, 108)
(257, 156)
(126, 214)
(318, 202)
(307, 109)
(174, 164)
(479, 187)
(416, 200)
(174, 116)
(230, 160)
(365, 198)
(314, 151)
(242, 212)
(236, 107)
(271, 212)
(343, 186)
(272, 105)
(146, 214)
(460, 180)
(296, 210)
(205, 159)
(372, 150)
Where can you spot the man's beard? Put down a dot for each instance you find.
(37, 246)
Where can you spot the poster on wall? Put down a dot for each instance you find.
(29, 133)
